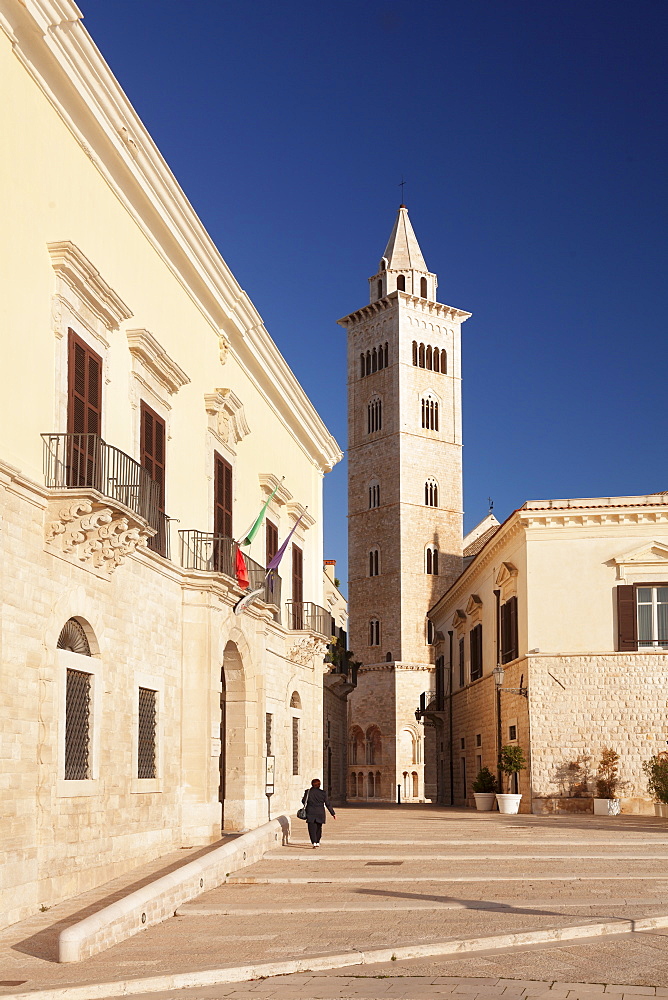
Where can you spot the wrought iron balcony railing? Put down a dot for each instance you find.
(217, 554)
(305, 615)
(75, 461)
(160, 542)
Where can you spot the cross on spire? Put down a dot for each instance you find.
(401, 185)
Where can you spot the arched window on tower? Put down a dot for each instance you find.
(374, 360)
(431, 632)
(368, 362)
(431, 560)
(415, 353)
(374, 744)
(374, 494)
(401, 283)
(427, 360)
(423, 287)
(374, 562)
(385, 354)
(431, 493)
(374, 632)
(362, 366)
(421, 356)
(374, 415)
(444, 362)
(429, 412)
(437, 355)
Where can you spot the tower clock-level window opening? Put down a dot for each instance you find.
(374, 562)
(380, 288)
(374, 360)
(295, 745)
(427, 359)
(374, 632)
(431, 493)
(146, 741)
(415, 353)
(421, 356)
(423, 288)
(401, 283)
(431, 560)
(444, 362)
(386, 354)
(77, 725)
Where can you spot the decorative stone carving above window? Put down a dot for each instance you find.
(83, 290)
(647, 562)
(227, 420)
(296, 510)
(269, 482)
(91, 533)
(148, 354)
(459, 620)
(223, 347)
(506, 580)
(474, 608)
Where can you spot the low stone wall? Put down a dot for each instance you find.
(155, 902)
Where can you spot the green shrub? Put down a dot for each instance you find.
(511, 760)
(656, 769)
(485, 781)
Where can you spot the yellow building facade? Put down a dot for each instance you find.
(145, 416)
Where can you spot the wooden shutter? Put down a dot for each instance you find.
(512, 623)
(84, 412)
(222, 498)
(84, 405)
(627, 631)
(271, 541)
(153, 433)
(297, 574)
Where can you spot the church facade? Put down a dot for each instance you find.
(404, 508)
(145, 417)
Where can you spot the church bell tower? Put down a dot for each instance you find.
(404, 507)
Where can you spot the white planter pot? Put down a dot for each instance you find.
(606, 807)
(484, 801)
(508, 803)
(661, 809)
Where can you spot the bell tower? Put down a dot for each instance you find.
(404, 508)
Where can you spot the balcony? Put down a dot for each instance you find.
(202, 550)
(90, 529)
(305, 615)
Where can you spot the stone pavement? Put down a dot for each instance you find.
(387, 878)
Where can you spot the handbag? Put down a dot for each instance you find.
(301, 813)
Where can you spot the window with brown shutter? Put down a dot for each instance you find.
(84, 412)
(271, 541)
(153, 437)
(509, 642)
(222, 498)
(297, 574)
(475, 641)
(627, 629)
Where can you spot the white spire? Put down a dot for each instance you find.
(403, 250)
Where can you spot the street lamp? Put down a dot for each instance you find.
(499, 675)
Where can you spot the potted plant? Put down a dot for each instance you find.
(656, 769)
(484, 790)
(606, 802)
(511, 761)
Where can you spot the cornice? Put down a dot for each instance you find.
(67, 66)
(74, 268)
(146, 349)
(370, 310)
(592, 517)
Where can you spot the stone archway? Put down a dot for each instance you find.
(233, 789)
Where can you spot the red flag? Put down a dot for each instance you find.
(241, 570)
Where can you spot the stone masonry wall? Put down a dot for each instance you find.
(581, 704)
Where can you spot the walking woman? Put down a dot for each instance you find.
(315, 799)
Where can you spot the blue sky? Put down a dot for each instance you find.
(532, 137)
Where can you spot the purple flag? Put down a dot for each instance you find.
(279, 555)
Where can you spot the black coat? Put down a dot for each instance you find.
(315, 807)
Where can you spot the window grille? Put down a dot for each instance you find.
(73, 637)
(77, 725)
(146, 733)
(295, 745)
(268, 724)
